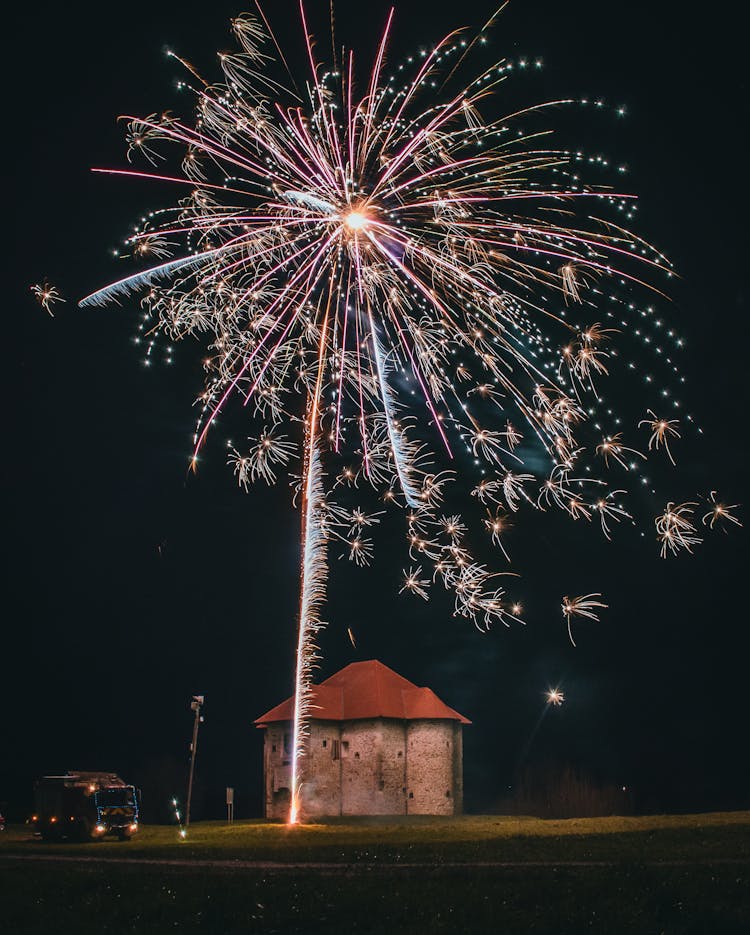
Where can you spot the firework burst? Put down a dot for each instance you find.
(586, 606)
(661, 432)
(386, 277)
(46, 295)
(720, 513)
(675, 528)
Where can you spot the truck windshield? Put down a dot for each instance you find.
(115, 797)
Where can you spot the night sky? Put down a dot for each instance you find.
(132, 585)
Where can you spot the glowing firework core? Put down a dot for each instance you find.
(355, 220)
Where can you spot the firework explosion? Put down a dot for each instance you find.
(584, 606)
(46, 295)
(402, 288)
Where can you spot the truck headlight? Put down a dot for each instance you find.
(100, 828)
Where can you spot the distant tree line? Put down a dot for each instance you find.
(553, 790)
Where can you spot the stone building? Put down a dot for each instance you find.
(378, 745)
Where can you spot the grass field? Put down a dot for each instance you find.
(471, 874)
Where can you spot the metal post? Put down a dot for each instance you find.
(195, 705)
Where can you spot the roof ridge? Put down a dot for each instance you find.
(378, 694)
(374, 690)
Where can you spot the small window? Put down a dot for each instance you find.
(344, 748)
(335, 750)
(356, 756)
(273, 748)
(400, 753)
(381, 784)
(448, 794)
(325, 743)
(411, 795)
(287, 744)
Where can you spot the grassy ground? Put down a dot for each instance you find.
(664, 874)
(468, 838)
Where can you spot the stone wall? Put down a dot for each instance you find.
(368, 767)
(430, 772)
(321, 792)
(373, 775)
(277, 770)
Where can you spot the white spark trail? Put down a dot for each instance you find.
(314, 574)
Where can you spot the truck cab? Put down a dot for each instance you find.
(116, 811)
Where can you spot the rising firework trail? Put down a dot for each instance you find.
(402, 281)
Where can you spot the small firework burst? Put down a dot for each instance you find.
(676, 530)
(661, 431)
(585, 606)
(720, 513)
(46, 295)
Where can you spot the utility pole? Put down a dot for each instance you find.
(195, 705)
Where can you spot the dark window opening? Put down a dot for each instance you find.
(381, 784)
(400, 753)
(325, 743)
(411, 795)
(356, 756)
(336, 750)
(448, 794)
(273, 748)
(287, 744)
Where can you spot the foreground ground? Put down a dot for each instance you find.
(473, 874)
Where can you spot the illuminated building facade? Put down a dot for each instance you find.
(378, 745)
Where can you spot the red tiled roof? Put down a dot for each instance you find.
(367, 690)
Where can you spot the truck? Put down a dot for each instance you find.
(85, 805)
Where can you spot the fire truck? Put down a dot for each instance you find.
(86, 806)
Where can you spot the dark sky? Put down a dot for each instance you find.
(131, 586)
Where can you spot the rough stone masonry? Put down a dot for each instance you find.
(378, 745)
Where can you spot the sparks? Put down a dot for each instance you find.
(46, 295)
(586, 605)
(384, 279)
(661, 431)
(720, 513)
